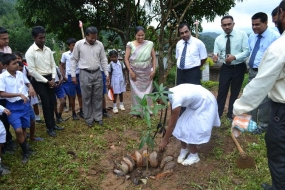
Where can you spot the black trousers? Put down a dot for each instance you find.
(191, 76)
(230, 76)
(5, 122)
(47, 96)
(275, 143)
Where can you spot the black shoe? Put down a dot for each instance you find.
(25, 158)
(100, 122)
(4, 171)
(75, 117)
(105, 114)
(81, 114)
(4, 166)
(59, 120)
(51, 133)
(40, 121)
(90, 125)
(12, 144)
(266, 186)
(58, 128)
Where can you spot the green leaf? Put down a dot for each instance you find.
(135, 112)
(143, 141)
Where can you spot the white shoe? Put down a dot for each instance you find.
(182, 156)
(191, 160)
(122, 108)
(115, 110)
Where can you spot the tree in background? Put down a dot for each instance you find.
(19, 35)
(170, 13)
(120, 17)
(117, 17)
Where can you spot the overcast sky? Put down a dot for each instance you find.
(242, 14)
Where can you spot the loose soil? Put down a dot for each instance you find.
(197, 176)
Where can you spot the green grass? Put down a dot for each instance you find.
(54, 168)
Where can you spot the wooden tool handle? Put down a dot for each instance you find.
(242, 153)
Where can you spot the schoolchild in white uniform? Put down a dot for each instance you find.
(117, 72)
(34, 100)
(73, 89)
(194, 126)
(32, 136)
(13, 88)
(3, 169)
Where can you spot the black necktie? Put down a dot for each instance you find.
(228, 47)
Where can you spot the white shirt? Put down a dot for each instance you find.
(195, 52)
(11, 84)
(1, 109)
(239, 46)
(270, 80)
(40, 62)
(65, 58)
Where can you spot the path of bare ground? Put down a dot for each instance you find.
(217, 159)
(82, 158)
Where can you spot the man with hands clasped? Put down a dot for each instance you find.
(231, 48)
(42, 68)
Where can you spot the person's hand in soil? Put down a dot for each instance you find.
(163, 144)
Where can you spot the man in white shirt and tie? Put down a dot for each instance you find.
(261, 38)
(191, 54)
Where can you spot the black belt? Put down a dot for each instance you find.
(255, 69)
(49, 75)
(235, 65)
(90, 71)
(189, 69)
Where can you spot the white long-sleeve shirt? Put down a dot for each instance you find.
(270, 80)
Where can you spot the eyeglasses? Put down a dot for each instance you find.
(229, 24)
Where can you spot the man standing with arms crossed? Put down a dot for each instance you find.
(231, 48)
(42, 69)
(89, 55)
(261, 38)
(270, 81)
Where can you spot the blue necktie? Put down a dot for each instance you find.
(254, 51)
(182, 60)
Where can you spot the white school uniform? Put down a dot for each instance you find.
(118, 82)
(11, 84)
(2, 128)
(34, 99)
(194, 126)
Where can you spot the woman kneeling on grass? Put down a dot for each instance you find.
(195, 124)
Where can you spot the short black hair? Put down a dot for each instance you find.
(38, 30)
(3, 31)
(91, 30)
(282, 5)
(20, 63)
(18, 54)
(182, 25)
(275, 11)
(139, 28)
(70, 41)
(227, 17)
(7, 58)
(260, 15)
(113, 52)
